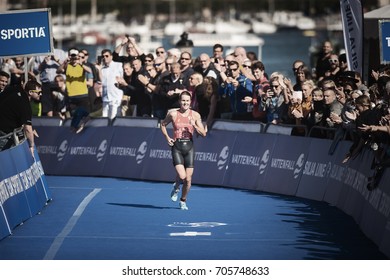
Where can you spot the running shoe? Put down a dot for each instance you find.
(174, 192)
(183, 205)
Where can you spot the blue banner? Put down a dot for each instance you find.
(384, 30)
(158, 158)
(129, 149)
(25, 32)
(23, 190)
(286, 164)
(212, 157)
(316, 171)
(245, 161)
(5, 230)
(12, 195)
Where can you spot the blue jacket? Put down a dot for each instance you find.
(237, 94)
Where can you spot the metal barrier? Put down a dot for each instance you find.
(230, 125)
(12, 139)
(286, 129)
(218, 124)
(322, 132)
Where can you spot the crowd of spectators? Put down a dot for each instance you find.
(126, 81)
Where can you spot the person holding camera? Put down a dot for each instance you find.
(76, 73)
(45, 70)
(133, 51)
(237, 87)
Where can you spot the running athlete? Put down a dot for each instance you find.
(184, 121)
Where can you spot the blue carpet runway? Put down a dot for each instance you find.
(115, 219)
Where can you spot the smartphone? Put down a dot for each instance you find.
(99, 59)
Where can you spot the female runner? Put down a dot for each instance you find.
(184, 121)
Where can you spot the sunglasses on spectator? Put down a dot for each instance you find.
(185, 58)
(157, 64)
(246, 66)
(148, 60)
(160, 52)
(333, 60)
(233, 69)
(274, 86)
(347, 91)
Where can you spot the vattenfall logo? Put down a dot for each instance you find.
(141, 153)
(223, 158)
(299, 165)
(62, 150)
(264, 161)
(101, 150)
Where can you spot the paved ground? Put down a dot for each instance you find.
(115, 219)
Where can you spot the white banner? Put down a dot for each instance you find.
(352, 19)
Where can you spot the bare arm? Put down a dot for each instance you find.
(135, 45)
(30, 137)
(163, 125)
(122, 44)
(198, 125)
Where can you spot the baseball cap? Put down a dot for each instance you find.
(73, 52)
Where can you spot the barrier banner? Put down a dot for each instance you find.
(52, 146)
(266, 149)
(245, 160)
(384, 211)
(375, 218)
(5, 230)
(86, 152)
(29, 174)
(212, 157)
(158, 164)
(316, 171)
(12, 194)
(354, 192)
(286, 164)
(127, 150)
(337, 173)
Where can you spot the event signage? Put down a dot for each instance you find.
(25, 32)
(384, 35)
(352, 21)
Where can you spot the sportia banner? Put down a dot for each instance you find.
(25, 32)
